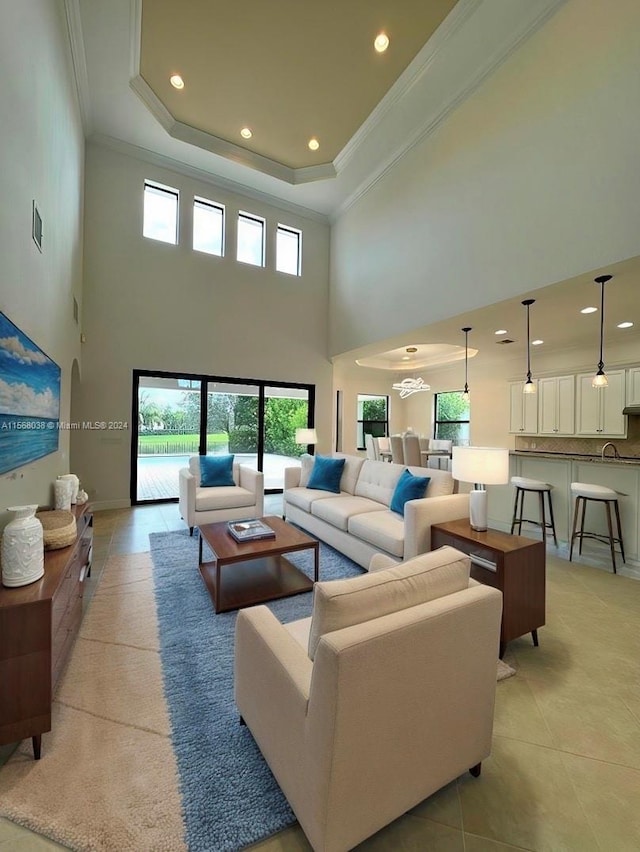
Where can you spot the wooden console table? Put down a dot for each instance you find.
(510, 563)
(38, 625)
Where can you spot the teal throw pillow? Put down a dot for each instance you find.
(326, 474)
(408, 487)
(216, 471)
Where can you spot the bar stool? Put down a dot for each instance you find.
(523, 485)
(598, 494)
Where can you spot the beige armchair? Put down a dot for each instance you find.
(228, 503)
(379, 699)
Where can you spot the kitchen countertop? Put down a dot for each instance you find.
(583, 457)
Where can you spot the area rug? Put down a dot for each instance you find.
(107, 779)
(229, 796)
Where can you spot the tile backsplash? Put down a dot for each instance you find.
(629, 446)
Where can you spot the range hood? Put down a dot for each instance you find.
(632, 410)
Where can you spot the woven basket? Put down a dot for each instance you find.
(59, 528)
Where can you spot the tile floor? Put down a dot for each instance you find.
(564, 773)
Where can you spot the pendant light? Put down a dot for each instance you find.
(465, 392)
(529, 386)
(600, 378)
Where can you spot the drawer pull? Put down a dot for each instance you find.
(483, 563)
(82, 574)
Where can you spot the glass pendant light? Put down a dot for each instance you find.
(600, 379)
(529, 386)
(465, 392)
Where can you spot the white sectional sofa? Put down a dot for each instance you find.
(358, 522)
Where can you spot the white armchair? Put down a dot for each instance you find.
(200, 505)
(381, 698)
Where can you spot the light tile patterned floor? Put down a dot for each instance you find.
(565, 769)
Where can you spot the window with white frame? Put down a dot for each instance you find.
(208, 226)
(160, 213)
(373, 417)
(288, 250)
(250, 239)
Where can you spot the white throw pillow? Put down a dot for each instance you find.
(342, 603)
(306, 462)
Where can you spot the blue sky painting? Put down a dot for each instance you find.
(29, 399)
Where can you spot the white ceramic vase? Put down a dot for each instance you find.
(75, 484)
(62, 489)
(22, 548)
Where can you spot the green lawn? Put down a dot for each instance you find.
(168, 444)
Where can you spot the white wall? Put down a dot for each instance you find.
(531, 181)
(41, 158)
(154, 306)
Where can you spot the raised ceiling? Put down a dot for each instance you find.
(287, 70)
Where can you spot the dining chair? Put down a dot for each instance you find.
(397, 451)
(411, 450)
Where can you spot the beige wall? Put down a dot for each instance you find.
(530, 181)
(153, 306)
(41, 158)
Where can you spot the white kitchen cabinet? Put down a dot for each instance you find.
(599, 410)
(633, 386)
(556, 405)
(523, 414)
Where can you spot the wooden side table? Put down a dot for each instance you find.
(510, 563)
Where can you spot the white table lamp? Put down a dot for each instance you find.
(482, 466)
(306, 436)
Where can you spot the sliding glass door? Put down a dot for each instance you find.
(180, 415)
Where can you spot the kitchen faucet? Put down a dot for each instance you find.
(616, 454)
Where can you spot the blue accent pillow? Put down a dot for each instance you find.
(326, 474)
(216, 471)
(408, 487)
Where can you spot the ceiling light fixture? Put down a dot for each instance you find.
(406, 358)
(381, 42)
(411, 349)
(176, 81)
(600, 379)
(465, 392)
(529, 386)
(588, 310)
(246, 133)
(501, 331)
(537, 342)
(625, 324)
(408, 386)
(314, 144)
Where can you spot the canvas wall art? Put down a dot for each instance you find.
(29, 399)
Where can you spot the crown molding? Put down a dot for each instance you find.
(79, 62)
(202, 139)
(412, 75)
(164, 162)
(450, 101)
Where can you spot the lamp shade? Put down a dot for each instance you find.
(486, 465)
(306, 436)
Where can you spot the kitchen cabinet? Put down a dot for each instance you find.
(523, 417)
(633, 386)
(556, 405)
(599, 410)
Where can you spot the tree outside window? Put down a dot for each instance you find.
(451, 422)
(373, 417)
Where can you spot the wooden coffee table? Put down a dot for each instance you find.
(257, 571)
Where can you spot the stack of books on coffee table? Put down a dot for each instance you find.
(250, 530)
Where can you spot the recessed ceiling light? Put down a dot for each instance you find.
(381, 42)
(536, 342)
(176, 81)
(314, 144)
(501, 331)
(246, 133)
(412, 349)
(588, 310)
(406, 357)
(625, 324)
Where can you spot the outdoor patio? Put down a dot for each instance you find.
(158, 475)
